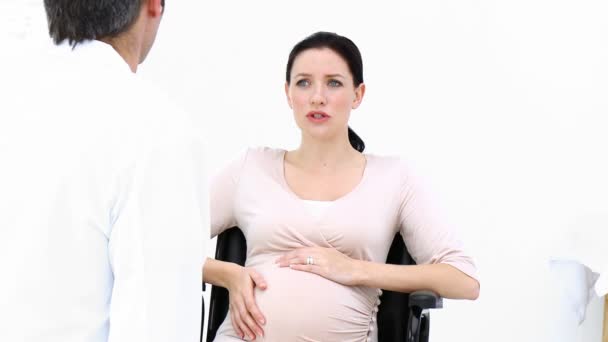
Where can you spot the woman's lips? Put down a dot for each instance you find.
(318, 116)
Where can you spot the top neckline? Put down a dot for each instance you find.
(354, 190)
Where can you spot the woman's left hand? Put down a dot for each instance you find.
(326, 262)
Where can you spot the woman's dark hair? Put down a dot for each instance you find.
(81, 20)
(346, 49)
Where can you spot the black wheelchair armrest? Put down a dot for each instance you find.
(418, 325)
(231, 247)
(425, 300)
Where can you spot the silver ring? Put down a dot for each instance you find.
(310, 261)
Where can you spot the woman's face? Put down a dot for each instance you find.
(321, 93)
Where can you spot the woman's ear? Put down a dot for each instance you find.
(359, 93)
(287, 95)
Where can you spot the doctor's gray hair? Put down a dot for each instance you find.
(82, 20)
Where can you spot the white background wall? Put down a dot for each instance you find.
(501, 104)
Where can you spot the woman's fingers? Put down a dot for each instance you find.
(242, 324)
(246, 316)
(295, 254)
(258, 279)
(249, 296)
(303, 260)
(298, 256)
(326, 262)
(247, 310)
(307, 268)
(235, 324)
(250, 322)
(253, 309)
(283, 261)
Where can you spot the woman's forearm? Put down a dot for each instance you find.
(220, 273)
(446, 280)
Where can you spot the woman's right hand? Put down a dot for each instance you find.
(247, 319)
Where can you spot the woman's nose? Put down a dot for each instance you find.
(318, 97)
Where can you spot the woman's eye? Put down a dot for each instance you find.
(303, 83)
(334, 83)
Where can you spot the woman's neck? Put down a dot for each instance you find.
(330, 155)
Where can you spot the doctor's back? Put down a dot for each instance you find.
(103, 207)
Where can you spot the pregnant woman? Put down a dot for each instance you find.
(319, 220)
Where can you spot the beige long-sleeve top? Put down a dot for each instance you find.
(252, 193)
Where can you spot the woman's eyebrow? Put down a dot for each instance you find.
(302, 74)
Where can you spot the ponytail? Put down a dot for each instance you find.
(355, 141)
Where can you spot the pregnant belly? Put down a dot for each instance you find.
(301, 306)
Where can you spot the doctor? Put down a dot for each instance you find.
(103, 208)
